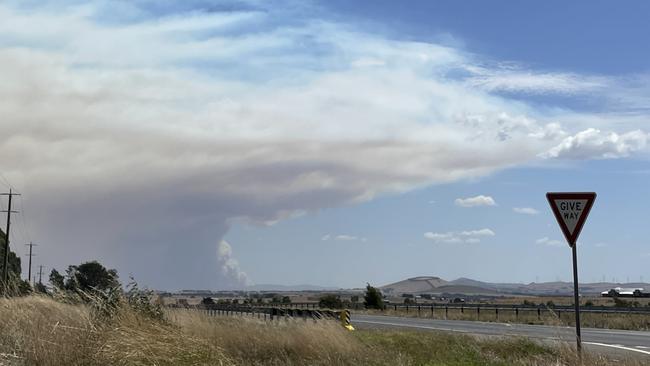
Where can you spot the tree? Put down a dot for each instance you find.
(373, 298)
(57, 280)
(14, 268)
(330, 302)
(90, 276)
(15, 286)
(207, 301)
(40, 288)
(286, 300)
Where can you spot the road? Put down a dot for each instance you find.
(611, 341)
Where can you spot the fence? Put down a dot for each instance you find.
(486, 308)
(460, 311)
(262, 312)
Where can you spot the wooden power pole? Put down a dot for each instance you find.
(40, 274)
(30, 255)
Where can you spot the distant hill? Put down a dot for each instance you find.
(437, 285)
(286, 288)
(422, 284)
(469, 282)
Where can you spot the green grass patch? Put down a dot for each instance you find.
(432, 348)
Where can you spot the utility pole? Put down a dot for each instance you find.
(30, 255)
(40, 274)
(5, 269)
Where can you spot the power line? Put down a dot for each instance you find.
(24, 226)
(5, 181)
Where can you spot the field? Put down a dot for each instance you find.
(41, 331)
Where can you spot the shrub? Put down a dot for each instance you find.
(330, 302)
(140, 301)
(373, 299)
(620, 303)
(207, 301)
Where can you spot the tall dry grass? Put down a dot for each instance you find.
(251, 341)
(41, 331)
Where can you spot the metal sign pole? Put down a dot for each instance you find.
(576, 299)
(571, 210)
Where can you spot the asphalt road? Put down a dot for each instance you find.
(610, 341)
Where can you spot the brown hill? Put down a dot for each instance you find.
(436, 285)
(422, 284)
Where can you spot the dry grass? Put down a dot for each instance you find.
(430, 348)
(41, 331)
(255, 342)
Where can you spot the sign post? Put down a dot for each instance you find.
(571, 211)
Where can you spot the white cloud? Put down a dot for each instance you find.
(479, 200)
(448, 237)
(525, 210)
(467, 236)
(515, 80)
(593, 143)
(481, 232)
(344, 237)
(549, 242)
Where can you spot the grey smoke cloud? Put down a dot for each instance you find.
(128, 152)
(230, 270)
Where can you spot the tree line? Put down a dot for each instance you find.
(87, 277)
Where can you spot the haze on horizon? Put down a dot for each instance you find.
(216, 144)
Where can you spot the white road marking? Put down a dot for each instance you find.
(643, 347)
(617, 346)
(411, 326)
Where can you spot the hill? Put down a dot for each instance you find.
(422, 284)
(437, 285)
(287, 288)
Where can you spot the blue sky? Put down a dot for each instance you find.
(214, 144)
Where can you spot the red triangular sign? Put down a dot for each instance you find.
(571, 211)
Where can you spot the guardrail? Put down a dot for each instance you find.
(307, 311)
(263, 312)
(558, 309)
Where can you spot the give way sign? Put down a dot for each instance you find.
(571, 211)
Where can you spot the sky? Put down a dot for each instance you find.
(220, 144)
